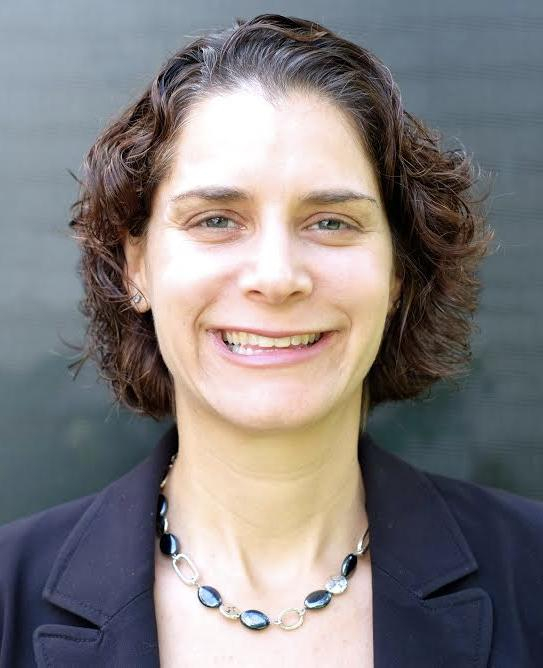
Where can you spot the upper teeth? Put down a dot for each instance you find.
(267, 342)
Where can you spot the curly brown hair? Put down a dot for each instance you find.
(439, 231)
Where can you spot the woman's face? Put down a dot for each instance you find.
(267, 258)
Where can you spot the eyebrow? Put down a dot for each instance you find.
(226, 194)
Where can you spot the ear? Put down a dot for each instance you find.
(394, 292)
(135, 275)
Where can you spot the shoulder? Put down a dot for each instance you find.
(499, 513)
(42, 530)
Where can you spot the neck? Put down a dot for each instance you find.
(267, 508)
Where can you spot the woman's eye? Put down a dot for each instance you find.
(213, 220)
(334, 224)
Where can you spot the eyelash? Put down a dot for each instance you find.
(335, 220)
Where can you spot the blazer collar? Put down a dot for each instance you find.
(104, 572)
(423, 615)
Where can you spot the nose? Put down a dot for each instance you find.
(275, 268)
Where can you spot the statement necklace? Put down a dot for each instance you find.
(290, 618)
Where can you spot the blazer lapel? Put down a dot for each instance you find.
(423, 616)
(104, 575)
(128, 639)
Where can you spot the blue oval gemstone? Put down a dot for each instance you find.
(254, 619)
(161, 506)
(169, 545)
(349, 564)
(317, 599)
(209, 596)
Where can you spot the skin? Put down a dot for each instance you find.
(266, 490)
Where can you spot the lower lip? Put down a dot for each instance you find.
(279, 357)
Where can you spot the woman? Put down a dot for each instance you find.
(272, 246)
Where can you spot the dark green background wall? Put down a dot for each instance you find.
(473, 69)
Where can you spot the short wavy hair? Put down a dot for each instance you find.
(439, 231)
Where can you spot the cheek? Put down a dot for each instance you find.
(361, 281)
(179, 271)
(181, 286)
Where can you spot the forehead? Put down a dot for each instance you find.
(241, 139)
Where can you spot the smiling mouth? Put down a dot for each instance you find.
(250, 340)
(287, 349)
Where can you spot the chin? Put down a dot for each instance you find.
(278, 418)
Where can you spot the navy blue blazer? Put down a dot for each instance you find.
(457, 572)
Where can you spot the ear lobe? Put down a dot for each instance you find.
(135, 277)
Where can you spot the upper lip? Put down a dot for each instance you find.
(268, 332)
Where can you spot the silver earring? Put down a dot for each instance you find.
(137, 298)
